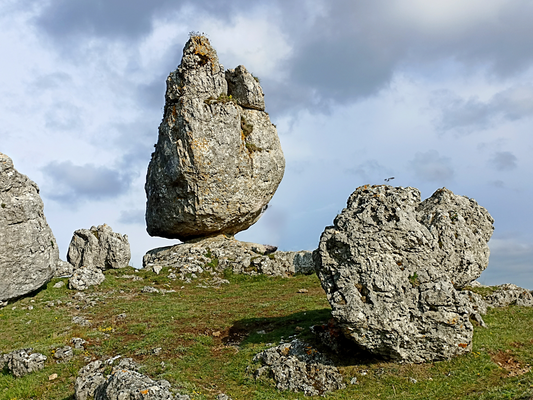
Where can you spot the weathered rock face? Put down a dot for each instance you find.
(99, 248)
(28, 248)
(245, 89)
(218, 160)
(215, 254)
(383, 269)
(298, 367)
(462, 229)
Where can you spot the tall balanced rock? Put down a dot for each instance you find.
(389, 264)
(28, 248)
(218, 160)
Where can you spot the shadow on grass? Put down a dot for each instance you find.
(272, 330)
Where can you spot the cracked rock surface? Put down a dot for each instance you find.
(218, 160)
(28, 250)
(384, 267)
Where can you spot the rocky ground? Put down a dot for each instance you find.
(203, 339)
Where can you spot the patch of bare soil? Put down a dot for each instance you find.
(505, 360)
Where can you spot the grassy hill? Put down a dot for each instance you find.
(202, 339)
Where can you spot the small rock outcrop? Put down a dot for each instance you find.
(509, 294)
(85, 277)
(298, 367)
(384, 268)
(218, 160)
(28, 250)
(63, 354)
(124, 382)
(215, 254)
(22, 362)
(99, 247)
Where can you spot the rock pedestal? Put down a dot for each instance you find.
(384, 267)
(28, 250)
(215, 254)
(218, 160)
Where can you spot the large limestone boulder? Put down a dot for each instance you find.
(28, 250)
(100, 248)
(218, 160)
(384, 271)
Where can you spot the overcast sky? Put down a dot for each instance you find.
(435, 93)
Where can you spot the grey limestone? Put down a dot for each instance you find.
(383, 265)
(218, 160)
(28, 250)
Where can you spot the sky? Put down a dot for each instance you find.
(436, 94)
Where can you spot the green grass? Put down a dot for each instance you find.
(209, 337)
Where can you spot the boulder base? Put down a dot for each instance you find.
(215, 254)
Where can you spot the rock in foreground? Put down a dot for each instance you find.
(123, 383)
(99, 247)
(28, 250)
(215, 254)
(218, 160)
(298, 367)
(22, 362)
(383, 266)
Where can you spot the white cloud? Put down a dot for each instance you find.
(471, 114)
(445, 17)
